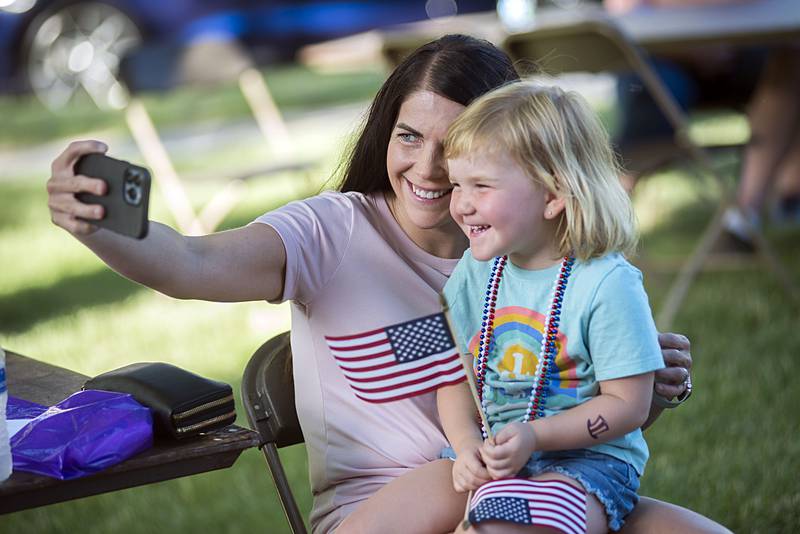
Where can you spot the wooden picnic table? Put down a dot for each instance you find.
(46, 384)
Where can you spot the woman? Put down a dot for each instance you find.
(372, 255)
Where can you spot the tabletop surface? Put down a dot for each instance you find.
(40, 382)
(652, 28)
(47, 384)
(731, 23)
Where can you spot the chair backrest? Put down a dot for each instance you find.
(594, 44)
(268, 393)
(268, 398)
(585, 46)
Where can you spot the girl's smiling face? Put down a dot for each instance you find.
(418, 172)
(502, 210)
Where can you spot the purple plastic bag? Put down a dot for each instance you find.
(22, 409)
(85, 433)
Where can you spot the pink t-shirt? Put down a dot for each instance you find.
(350, 268)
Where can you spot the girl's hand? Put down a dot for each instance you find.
(469, 473)
(510, 451)
(671, 381)
(64, 184)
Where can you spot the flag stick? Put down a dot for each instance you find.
(466, 362)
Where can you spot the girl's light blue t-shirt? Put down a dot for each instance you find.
(606, 332)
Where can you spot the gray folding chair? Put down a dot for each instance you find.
(596, 44)
(268, 398)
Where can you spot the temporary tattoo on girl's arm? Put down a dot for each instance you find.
(596, 427)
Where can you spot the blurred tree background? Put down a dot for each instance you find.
(730, 452)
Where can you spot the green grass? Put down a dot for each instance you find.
(730, 453)
(292, 87)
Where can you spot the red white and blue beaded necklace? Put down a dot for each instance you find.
(547, 353)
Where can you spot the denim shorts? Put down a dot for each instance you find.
(613, 482)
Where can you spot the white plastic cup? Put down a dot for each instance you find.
(5, 449)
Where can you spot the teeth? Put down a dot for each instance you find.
(430, 195)
(477, 229)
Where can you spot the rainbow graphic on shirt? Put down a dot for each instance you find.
(518, 339)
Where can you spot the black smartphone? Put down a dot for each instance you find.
(127, 196)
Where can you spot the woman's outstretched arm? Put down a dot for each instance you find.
(237, 265)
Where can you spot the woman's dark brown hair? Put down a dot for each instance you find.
(457, 67)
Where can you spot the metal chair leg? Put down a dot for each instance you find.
(290, 508)
(692, 266)
(689, 270)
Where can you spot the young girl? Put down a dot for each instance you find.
(556, 318)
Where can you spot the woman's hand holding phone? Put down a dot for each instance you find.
(66, 210)
(75, 203)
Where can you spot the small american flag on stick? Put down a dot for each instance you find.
(550, 503)
(399, 361)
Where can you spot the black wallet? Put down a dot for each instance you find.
(183, 404)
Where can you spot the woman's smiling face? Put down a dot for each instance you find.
(417, 168)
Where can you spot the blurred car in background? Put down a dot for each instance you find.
(59, 48)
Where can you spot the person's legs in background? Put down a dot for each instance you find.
(787, 206)
(773, 154)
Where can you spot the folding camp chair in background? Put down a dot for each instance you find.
(597, 45)
(192, 68)
(268, 398)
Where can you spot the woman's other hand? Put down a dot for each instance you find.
(66, 210)
(671, 381)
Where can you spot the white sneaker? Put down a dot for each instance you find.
(740, 222)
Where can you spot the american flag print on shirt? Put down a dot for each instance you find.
(550, 503)
(399, 361)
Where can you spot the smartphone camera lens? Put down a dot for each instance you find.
(134, 176)
(132, 187)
